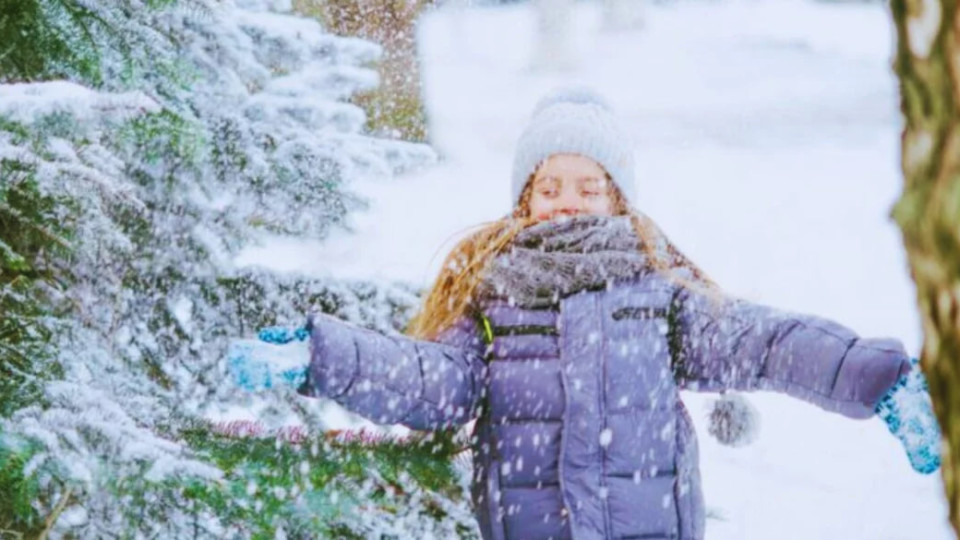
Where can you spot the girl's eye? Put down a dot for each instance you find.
(547, 192)
(591, 187)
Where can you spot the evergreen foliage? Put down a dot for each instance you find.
(29, 235)
(142, 146)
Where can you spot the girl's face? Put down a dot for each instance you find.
(569, 185)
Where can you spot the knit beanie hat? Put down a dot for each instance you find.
(574, 120)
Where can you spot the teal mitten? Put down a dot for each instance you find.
(908, 413)
(278, 357)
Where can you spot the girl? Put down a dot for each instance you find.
(568, 329)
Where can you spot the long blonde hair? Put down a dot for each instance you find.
(452, 293)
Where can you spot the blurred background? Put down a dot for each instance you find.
(177, 174)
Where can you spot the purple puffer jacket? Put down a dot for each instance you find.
(581, 431)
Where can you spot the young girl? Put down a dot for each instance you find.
(568, 329)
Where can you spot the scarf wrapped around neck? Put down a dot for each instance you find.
(553, 259)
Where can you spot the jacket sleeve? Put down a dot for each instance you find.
(723, 343)
(393, 379)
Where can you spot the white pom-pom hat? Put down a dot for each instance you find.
(574, 120)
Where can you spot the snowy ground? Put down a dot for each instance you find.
(768, 150)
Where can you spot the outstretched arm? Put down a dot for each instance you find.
(724, 343)
(421, 384)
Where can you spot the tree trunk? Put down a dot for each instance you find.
(928, 212)
(554, 47)
(395, 108)
(622, 15)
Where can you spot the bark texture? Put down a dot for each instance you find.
(928, 212)
(395, 108)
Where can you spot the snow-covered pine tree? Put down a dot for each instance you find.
(143, 144)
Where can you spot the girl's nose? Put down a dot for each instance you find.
(569, 202)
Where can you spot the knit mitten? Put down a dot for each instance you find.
(908, 412)
(281, 335)
(278, 357)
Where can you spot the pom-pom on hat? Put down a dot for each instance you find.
(574, 120)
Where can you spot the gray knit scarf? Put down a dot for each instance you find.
(553, 259)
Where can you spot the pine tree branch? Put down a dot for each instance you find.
(26, 220)
(14, 534)
(57, 510)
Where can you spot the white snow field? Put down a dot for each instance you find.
(768, 149)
